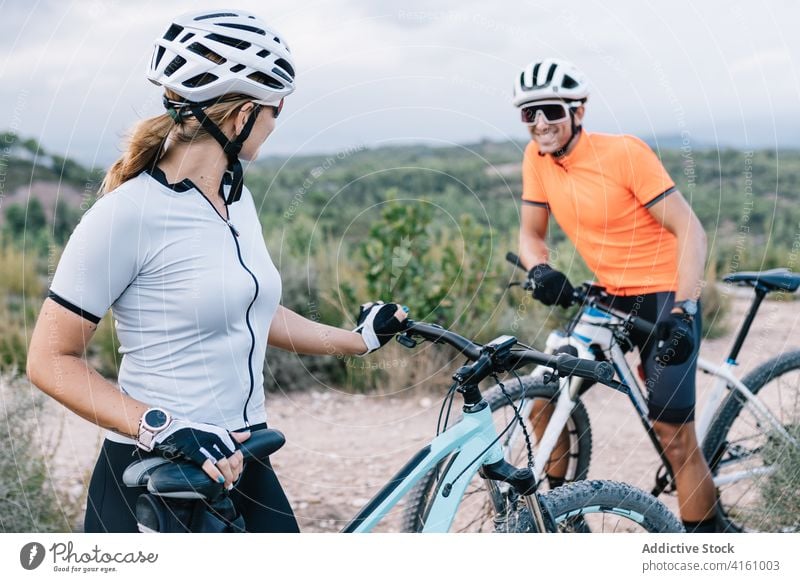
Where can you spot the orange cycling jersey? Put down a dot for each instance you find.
(599, 194)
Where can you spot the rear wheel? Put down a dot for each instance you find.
(475, 513)
(757, 470)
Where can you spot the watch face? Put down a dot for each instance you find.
(689, 307)
(155, 418)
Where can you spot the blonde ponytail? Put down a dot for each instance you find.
(144, 148)
(150, 136)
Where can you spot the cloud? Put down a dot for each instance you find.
(395, 70)
(763, 61)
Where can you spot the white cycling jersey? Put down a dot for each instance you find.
(192, 297)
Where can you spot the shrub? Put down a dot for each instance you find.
(780, 493)
(20, 291)
(103, 350)
(714, 303)
(451, 276)
(287, 371)
(29, 500)
(445, 275)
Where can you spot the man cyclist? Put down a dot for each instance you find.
(617, 204)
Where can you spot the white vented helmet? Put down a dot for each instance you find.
(204, 55)
(549, 79)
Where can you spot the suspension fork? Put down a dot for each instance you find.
(523, 481)
(567, 395)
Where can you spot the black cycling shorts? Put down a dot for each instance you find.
(111, 506)
(670, 389)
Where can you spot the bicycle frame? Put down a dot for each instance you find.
(470, 443)
(593, 329)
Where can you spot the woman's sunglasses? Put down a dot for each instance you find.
(276, 109)
(553, 111)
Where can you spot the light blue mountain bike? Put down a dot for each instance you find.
(455, 456)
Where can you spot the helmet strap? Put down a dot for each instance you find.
(575, 129)
(234, 174)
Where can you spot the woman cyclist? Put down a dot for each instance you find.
(175, 247)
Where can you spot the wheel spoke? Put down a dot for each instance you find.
(753, 481)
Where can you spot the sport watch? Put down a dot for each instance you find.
(689, 307)
(153, 421)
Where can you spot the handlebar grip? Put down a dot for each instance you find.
(570, 366)
(642, 325)
(514, 260)
(436, 333)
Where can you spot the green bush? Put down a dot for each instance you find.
(453, 276)
(450, 276)
(103, 351)
(286, 371)
(714, 303)
(21, 289)
(29, 500)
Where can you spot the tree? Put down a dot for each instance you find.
(20, 220)
(65, 220)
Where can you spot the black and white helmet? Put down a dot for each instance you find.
(550, 79)
(204, 55)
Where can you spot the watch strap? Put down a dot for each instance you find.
(146, 435)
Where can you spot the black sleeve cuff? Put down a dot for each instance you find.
(544, 205)
(660, 197)
(73, 308)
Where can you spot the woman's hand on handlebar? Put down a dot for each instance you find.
(378, 322)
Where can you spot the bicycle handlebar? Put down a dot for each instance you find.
(564, 364)
(583, 294)
(492, 359)
(438, 334)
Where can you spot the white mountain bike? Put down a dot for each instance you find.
(746, 427)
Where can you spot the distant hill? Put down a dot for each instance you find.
(31, 173)
(676, 142)
(748, 201)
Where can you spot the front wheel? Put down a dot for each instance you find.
(607, 507)
(756, 469)
(596, 507)
(476, 512)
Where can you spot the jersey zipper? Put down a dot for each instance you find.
(235, 233)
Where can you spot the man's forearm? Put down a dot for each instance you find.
(532, 251)
(691, 262)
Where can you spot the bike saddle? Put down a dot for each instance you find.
(185, 480)
(771, 280)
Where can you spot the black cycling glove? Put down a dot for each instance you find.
(377, 324)
(551, 287)
(194, 441)
(675, 336)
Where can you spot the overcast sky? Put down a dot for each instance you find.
(376, 72)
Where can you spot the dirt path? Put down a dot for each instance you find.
(341, 448)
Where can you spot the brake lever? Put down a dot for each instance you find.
(406, 340)
(550, 377)
(616, 385)
(526, 285)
